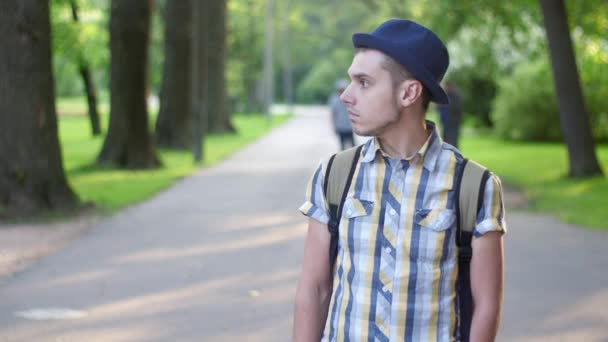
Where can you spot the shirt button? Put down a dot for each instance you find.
(385, 289)
(387, 250)
(393, 212)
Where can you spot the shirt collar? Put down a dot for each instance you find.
(429, 152)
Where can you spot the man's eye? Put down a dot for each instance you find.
(363, 83)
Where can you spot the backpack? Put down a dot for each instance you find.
(469, 184)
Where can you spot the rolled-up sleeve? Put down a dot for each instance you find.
(491, 215)
(315, 205)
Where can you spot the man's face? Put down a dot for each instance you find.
(370, 96)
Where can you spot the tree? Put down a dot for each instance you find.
(174, 122)
(268, 71)
(87, 80)
(128, 143)
(287, 66)
(574, 119)
(199, 80)
(218, 113)
(31, 170)
(244, 62)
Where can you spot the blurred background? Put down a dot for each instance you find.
(153, 85)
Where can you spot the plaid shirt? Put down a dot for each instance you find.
(397, 260)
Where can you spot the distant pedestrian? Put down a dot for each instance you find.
(340, 119)
(450, 114)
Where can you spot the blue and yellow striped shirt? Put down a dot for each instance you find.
(397, 260)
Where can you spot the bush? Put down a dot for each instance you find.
(525, 107)
(477, 92)
(318, 84)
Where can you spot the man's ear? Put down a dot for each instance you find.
(409, 92)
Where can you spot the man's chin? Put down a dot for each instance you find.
(362, 133)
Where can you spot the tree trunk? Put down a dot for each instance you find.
(174, 122)
(268, 72)
(287, 67)
(89, 87)
(219, 118)
(31, 170)
(574, 119)
(199, 79)
(87, 80)
(128, 143)
(252, 62)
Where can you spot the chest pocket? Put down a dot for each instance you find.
(433, 227)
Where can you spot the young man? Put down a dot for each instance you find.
(396, 269)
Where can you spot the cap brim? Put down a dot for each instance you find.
(438, 95)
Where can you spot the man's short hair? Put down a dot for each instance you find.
(399, 74)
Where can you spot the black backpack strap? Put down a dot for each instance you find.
(469, 185)
(338, 177)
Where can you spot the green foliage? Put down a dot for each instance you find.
(318, 30)
(538, 169)
(593, 66)
(589, 16)
(244, 43)
(479, 56)
(319, 82)
(86, 41)
(526, 106)
(486, 40)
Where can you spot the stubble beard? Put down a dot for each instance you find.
(395, 115)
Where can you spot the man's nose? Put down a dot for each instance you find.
(346, 96)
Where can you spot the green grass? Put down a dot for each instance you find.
(112, 189)
(540, 170)
(75, 106)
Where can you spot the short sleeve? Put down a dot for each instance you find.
(491, 215)
(315, 205)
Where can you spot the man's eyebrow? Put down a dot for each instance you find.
(360, 75)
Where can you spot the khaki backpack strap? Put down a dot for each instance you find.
(338, 169)
(474, 177)
(470, 185)
(338, 176)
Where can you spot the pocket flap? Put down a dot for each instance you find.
(435, 219)
(355, 207)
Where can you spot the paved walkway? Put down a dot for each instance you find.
(216, 258)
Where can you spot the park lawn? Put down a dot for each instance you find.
(112, 189)
(77, 106)
(539, 170)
